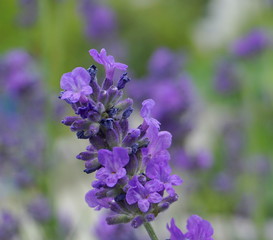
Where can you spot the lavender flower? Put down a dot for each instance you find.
(113, 165)
(120, 156)
(162, 172)
(145, 195)
(198, 229)
(108, 62)
(76, 85)
(252, 43)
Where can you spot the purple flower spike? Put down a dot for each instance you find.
(76, 85)
(144, 195)
(198, 229)
(108, 61)
(113, 163)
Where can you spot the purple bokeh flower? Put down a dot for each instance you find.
(9, 226)
(226, 77)
(198, 229)
(113, 165)
(252, 43)
(76, 85)
(39, 209)
(17, 71)
(164, 63)
(202, 159)
(108, 62)
(99, 20)
(144, 195)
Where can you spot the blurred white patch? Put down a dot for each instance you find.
(224, 19)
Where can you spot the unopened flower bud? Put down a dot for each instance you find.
(119, 218)
(123, 80)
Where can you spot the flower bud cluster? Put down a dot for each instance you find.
(133, 176)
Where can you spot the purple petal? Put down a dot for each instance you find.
(105, 156)
(199, 228)
(155, 197)
(87, 90)
(193, 222)
(176, 233)
(162, 157)
(111, 180)
(147, 107)
(102, 173)
(66, 95)
(121, 66)
(169, 189)
(121, 173)
(90, 198)
(132, 196)
(143, 205)
(94, 202)
(152, 170)
(154, 186)
(164, 140)
(208, 228)
(96, 56)
(175, 180)
(75, 97)
(81, 76)
(121, 157)
(66, 81)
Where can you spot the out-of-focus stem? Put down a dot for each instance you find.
(150, 231)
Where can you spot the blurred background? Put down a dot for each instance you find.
(206, 63)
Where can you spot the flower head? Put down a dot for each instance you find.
(76, 85)
(117, 153)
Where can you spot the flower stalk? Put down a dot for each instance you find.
(150, 231)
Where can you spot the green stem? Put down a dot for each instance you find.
(150, 231)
